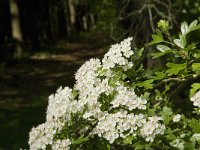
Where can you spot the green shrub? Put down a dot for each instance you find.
(117, 104)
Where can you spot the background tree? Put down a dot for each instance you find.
(16, 28)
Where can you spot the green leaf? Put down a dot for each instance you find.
(193, 25)
(81, 139)
(195, 28)
(139, 145)
(74, 94)
(146, 84)
(190, 47)
(162, 48)
(178, 43)
(195, 125)
(166, 114)
(181, 42)
(170, 135)
(140, 52)
(128, 140)
(184, 28)
(196, 67)
(195, 87)
(159, 54)
(178, 143)
(174, 68)
(151, 112)
(196, 55)
(102, 144)
(159, 75)
(190, 145)
(157, 38)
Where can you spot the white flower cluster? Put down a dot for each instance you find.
(118, 54)
(58, 112)
(196, 99)
(113, 126)
(86, 76)
(61, 144)
(61, 105)
(152, 128)
(177, 118)
(92, 81)
(90, 87)
(43, 135)
(127, 97)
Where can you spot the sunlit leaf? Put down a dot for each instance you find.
(174, 68)
(162, 48)
(184, 28)
(159, 54)
(148, 84)
(192, 25)
(159, 75)
(81, 139)
(195, 125)
(157, 38)
(166, 114)
(195, 87)
(178, 43)
(196, 67)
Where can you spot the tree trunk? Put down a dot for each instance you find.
(66, 12)
(92, 19)
(16, 28)
(53, 19)
(85, 23)
(72, 13)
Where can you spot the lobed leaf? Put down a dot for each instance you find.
(196, 67)
(175, 68)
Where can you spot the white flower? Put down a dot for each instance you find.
(113, 126)
(177, 118)
(60, 104)
(118, 54)
(152, 128)
(43, 135)
(196, 99)
(86, 75)
(61, 144)
(127, 97)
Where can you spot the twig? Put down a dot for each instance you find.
(151, 19)
(168, 80)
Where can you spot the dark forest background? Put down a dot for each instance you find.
(43, 43)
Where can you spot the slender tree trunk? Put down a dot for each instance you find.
(66, 12)
(92, 19)
(72, 13)
(85, 23)
(16, 28)
(53, 18)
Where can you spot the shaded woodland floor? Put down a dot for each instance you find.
(25, 87)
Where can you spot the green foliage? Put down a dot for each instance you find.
(196, 68)
(166, 114)
(174, 68)
(195, 87)
(80, 140)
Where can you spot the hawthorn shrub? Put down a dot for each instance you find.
(118, 104)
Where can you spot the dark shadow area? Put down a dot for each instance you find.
(25, 87)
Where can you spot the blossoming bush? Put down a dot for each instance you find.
(118, 104)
